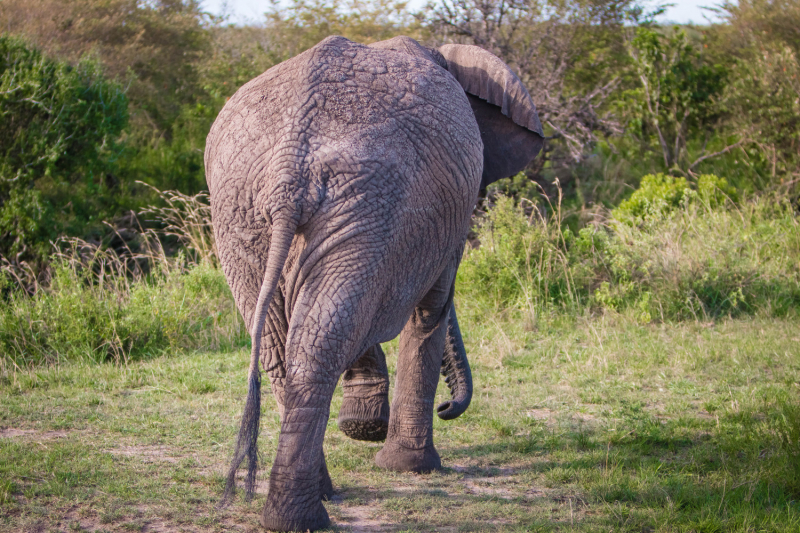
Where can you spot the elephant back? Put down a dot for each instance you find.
(363, 134)
(409, 46)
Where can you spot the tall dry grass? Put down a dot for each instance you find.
(99, 304)
(698, 261)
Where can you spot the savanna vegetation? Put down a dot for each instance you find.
(630, 302)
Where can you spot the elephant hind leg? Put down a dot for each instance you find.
(365, 406)
(321, 340)
(325, 482)
(299, 479)
(277, 384)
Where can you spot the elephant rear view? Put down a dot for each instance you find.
(342, 183)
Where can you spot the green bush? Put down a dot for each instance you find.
(677, 98)
(175, 162)
(102, 305)
(83, 317)
(92, 311)
(660, 194)
(701, 262)
(520, 261)
(57, 133)
(697, 257)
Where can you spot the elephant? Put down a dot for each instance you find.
(342, 184)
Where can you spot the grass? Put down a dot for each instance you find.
(597, 424)
(96, 303)
(699, 261)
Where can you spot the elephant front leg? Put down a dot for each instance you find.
(365, 406)
(299, 479)
(409, 443)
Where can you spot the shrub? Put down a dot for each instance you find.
(694, 255)
(102, 305)
(677, 98)
(701, 262)
(92, 311)
(759, 42)
(659, 195)
(521, 260)
(57, 131)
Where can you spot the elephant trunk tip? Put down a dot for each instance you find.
(451, 409)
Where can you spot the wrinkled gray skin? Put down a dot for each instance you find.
(342, 183)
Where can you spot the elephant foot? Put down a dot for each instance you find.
(370, 430)
(310, 518)
(395, 457)
(365, 418)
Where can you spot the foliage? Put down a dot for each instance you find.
(692, 255)
(155, 44)
(517, 186)
(765, 99)
(158, 49)
(677, 96)
(702, 262)
(240, 53)
(86, 316)
(758, 23)
(659, 195)
(689, 256)
(758, 40)
(173, 162)
(100, 304)
(57, 135)
(306, 22)
(521, 260)
(188, 219)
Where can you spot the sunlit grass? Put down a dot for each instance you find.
(578, 424)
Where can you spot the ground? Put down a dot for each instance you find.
(596, 424)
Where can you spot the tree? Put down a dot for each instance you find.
(678, 95)
(761, 41)
(153, 44)
(569, 54)
(239, 53)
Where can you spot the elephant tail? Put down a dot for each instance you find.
(283, 231)
(456, 372)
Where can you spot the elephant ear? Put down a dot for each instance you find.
(510, 129)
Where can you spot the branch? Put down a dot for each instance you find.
(654, 114)
(715, 154)
(679, 136)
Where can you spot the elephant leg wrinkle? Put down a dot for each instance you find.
(299, 480)
(325, 483)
